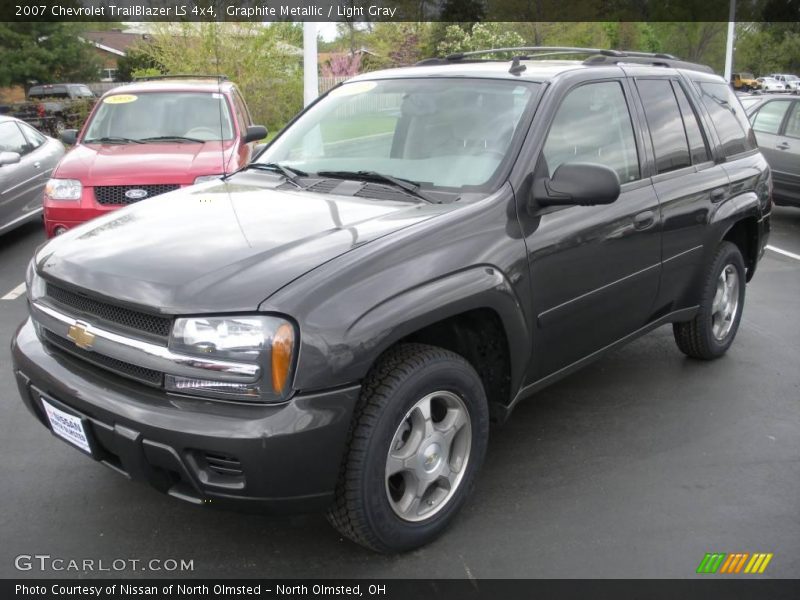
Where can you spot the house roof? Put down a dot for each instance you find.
(115, 42)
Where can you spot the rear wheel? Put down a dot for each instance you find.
(712, 331)
(417, 441)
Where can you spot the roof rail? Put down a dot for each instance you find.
(652, 60)
(601, 56)
(161, 77)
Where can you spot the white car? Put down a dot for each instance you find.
(790, 82)
(769, 84)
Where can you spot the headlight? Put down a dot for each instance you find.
(64, 189)
(259, 339)
(34, 283)
(204, 178)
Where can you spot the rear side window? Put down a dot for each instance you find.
(769, 117)
(694, 134)
(728, 117)
(35, 139)
(593, 125)
(666, 124)
(12, 140)
(793, 124)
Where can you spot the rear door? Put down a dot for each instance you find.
(780, 145)
(686, 180)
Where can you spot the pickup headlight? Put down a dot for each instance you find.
(34, 283)
(258, 339)
(204, 178)
(64, 189)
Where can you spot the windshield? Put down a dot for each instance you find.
(201, 116)
(440, 132)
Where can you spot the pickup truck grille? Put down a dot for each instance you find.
(140, 374)
(153, 325)
(115, 194)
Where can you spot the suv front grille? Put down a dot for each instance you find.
(138, 321)
(141, 374)
(115, 194)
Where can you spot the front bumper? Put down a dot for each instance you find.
(282, 458)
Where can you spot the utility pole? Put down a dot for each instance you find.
(310, 63)
(729, 45)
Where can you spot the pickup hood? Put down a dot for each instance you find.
(219, 246)
(121, 164)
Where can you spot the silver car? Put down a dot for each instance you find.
(776, 123)
(27, 157)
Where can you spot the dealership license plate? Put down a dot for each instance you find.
(68, 427)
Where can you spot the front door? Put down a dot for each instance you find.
(594, 270)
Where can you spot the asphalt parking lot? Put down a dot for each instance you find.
(635, 467)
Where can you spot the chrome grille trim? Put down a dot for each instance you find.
(145, 354)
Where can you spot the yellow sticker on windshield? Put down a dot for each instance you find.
(120, 99)
(350, 89)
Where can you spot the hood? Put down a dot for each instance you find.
(120, 164)
(219, 246)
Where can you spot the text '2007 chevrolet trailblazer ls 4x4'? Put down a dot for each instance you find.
(333, 326)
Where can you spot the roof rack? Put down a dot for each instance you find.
(601, 56)
(160, 77)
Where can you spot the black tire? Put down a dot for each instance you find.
(696, 338)
(362, 510)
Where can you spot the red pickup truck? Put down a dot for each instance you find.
(145, 139)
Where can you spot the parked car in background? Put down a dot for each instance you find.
(776, 123)
(790, 82)
(768, 84)
(148, 138)
(744, 82)
(27, 157)
(53, 107)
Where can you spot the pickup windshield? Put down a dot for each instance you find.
(168, 116)
(441, 132)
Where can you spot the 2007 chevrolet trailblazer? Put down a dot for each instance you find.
(333, 326)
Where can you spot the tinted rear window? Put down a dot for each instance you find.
(728, 117)
(666, 124)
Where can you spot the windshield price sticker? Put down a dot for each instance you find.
(352, 89)
(120, 99)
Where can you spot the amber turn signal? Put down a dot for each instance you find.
(282, 348)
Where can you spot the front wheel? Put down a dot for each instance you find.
(712, 331)
(417, 441)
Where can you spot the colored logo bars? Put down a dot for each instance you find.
(721, 562)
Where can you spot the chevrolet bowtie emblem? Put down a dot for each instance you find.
(79, 334)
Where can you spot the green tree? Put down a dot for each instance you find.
(45, 53)
(265, 62)
(138, 60)
(482, 36)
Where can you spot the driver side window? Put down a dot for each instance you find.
(593, 125)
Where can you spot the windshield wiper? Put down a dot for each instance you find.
(411, 187)
(172, 138)
(290, 173)
(112, 139)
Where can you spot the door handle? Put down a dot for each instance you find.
(718, 194)
(644, 220)
(37, 164)
(783, 146)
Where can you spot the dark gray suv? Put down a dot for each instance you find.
(334, 326)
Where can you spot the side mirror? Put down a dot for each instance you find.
(581, 184)
(9, 158)
(69, 136)
(254, 133)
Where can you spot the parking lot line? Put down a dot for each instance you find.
(15, 293)
(784, 252)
